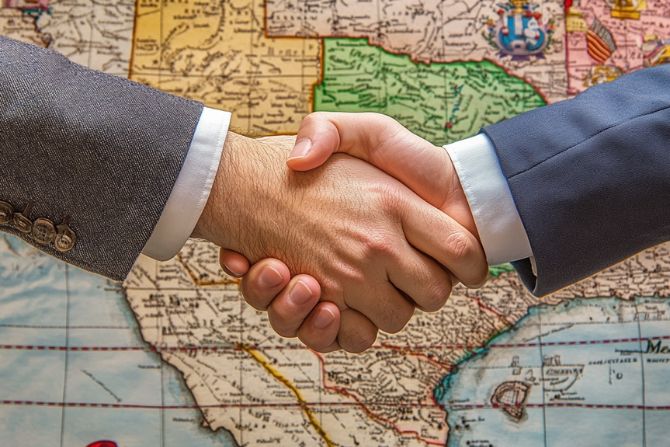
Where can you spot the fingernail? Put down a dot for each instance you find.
(323, 318)
(301, 148)
(270, 278)
(232, 271)
(228, 271)
(300, 294)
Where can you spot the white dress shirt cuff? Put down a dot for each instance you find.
(191, 190)
(501, 231)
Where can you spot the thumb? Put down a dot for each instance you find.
(360, 135)
(381, 141)
(317, 139)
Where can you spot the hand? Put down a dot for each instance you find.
(382, 141)
(268, 285)
(356, 229)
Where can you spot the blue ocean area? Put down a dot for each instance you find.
(48, 313)
(588, 372)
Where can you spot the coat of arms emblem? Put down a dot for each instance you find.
(520, 31)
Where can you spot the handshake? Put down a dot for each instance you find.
(363, 240)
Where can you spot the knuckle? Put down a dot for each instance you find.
(251, 296)
(392, 317)
(332, 289)
(398, 323)
(436, 295)
(459, 244)
(356, 333)
(348, 274)
(358, 345)
(357, 342)
(377, 243)
(389, 198)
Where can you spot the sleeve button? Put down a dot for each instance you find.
(44, 231)
(65, 239)
(6, 212)
(22, 223)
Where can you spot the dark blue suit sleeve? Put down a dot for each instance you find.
(590, 177)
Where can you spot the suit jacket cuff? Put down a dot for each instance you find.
(501, 231)
(191, 190)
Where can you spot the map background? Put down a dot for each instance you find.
(175, 348)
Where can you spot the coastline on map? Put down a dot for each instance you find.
(581, 364)
(71, 338)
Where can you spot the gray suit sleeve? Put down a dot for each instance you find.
(590, 176)
(87, 160)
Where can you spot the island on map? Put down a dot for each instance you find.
(176, 357)
(511, 397)
(598, 367)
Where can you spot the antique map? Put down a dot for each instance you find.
(174, 357)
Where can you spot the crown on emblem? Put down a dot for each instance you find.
(628, 9)
(518, 5)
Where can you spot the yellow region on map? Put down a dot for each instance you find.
(217, 53)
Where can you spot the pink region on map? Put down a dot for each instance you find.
(26, 4)
(607, 38)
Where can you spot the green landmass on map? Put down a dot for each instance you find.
(497, 270)
(442, 102)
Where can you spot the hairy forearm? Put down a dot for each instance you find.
(217, 212)
(246, 194)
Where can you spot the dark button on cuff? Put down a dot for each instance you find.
(65, 239)
(6, 212)
(44, 231)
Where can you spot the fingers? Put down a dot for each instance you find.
(293, 304)
(383, 305)
(264, 282)
(233, 263)
(319, 331)
(357, 333)
(439, 236)
(293, 307)
(421, 278)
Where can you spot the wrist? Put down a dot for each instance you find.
(217, 212)
(501, 231)
(457, 204)
(247, 196)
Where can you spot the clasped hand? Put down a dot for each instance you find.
(363, 239)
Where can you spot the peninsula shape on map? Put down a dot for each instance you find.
(248, 392)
